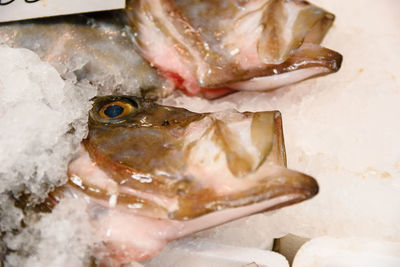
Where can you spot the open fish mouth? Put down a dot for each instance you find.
(215, 47)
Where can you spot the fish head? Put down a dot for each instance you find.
(212, 48)
(153, 173)
(171, 163)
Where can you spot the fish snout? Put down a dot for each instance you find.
(295, 185)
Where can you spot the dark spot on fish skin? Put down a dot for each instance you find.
(303, 3)
(180, 192)
(165, 123)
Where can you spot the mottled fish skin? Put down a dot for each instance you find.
(94, 48)
(155, 173)
(214, 47)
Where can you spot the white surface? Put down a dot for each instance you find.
(200, 252)
(350, 252)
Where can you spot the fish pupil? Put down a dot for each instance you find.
(113, 111)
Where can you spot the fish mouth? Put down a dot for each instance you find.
(282, 187)
(281, 191)
(309, 61)
(299, 187)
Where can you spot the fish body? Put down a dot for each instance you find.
(216, 47)
(155, 173)
(90, 48)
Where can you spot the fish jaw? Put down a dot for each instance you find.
(309, 61)
(132, 236)
(287, 190)
(275, 42)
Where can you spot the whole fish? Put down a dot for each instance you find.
(216, 47)
(154, 173)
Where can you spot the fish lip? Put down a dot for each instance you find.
(301, 186)
(283, 188)
(327, 60)
(338, 62)
(284, 195)
(334, 61)
(307, 189)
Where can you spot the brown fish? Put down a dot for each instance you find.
(153, 173)
(216, 47)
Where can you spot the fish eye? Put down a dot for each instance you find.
(113, 111)
(116, 109)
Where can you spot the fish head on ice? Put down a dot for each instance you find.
(155, 173)
(215, 47)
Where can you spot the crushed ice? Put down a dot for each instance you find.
(43, 119)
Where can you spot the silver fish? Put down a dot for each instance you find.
(88, 48)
